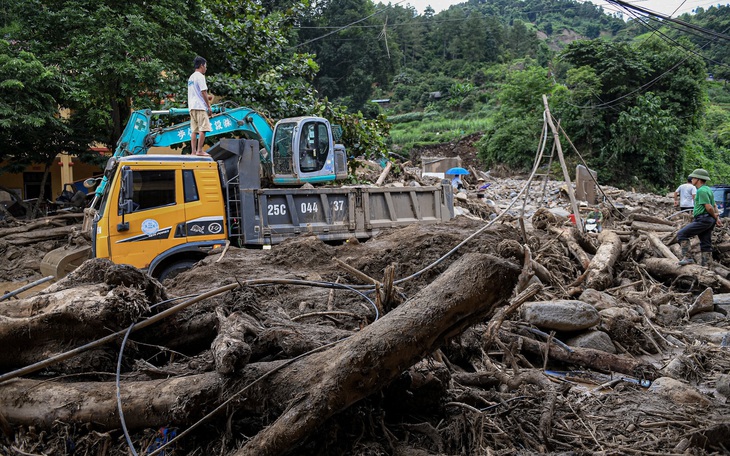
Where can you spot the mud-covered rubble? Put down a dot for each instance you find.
(638, 366)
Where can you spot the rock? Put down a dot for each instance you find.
(675, 368)
(678, 392)
(561, 315)
(597, 340)
(722, 384)
(619, 313)
(461, 196)
(706, 333)
(598, 299)
(707, 317)
(703, 303)
(722, 302)
(669, 315)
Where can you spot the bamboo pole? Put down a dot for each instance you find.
(566, 176)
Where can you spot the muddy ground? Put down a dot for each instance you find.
(525, 403)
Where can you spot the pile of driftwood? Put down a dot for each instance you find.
(524, 340)
(23, 243)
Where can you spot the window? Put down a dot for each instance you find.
(282, 148)
(153, 189)
(190, 188)
(313, 146)
(32, 186)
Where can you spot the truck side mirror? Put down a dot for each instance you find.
(126, 204)
(127, 183)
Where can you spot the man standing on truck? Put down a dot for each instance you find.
(684, 196)
(706, 216)
(199, 106)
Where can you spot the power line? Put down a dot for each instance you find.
(629, 6)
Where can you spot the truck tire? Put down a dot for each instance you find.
(175, 268)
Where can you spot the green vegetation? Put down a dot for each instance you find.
(633, 96)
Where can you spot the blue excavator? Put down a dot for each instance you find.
(293, 152)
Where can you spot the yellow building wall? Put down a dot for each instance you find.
(60, 173)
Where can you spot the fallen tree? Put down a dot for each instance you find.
(305, 392)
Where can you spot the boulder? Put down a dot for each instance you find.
(678, 392)
(703, 303)
(597, 340)
(598, 299)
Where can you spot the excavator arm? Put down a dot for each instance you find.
(138, 137)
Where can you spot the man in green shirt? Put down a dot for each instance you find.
(706, 216)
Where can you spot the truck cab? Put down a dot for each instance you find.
(722, 199)
(165, 214)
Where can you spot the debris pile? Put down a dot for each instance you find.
(530, 337)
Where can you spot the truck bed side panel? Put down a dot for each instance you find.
(270, 216)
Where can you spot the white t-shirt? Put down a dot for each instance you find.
(686, 192)
(196, 84)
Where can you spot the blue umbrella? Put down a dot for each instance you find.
(457, 171)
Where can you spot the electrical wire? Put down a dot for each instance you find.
(629, 6)
(259, 282)
(343, 27)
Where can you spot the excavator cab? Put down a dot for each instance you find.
(304, 151)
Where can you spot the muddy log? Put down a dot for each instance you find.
(60, 232)
(660, 247)
(600, 269)
(57, 220)
(666, 269)
(316, 387)
(566, 236)
(586, 357)
(636, 217)
(658, 227)
(73, 316)
(145, 404)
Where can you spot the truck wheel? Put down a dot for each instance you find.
(173, 269)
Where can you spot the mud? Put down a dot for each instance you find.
(568, 410)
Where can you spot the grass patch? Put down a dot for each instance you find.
(435, 129)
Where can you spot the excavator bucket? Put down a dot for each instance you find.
(63, 260)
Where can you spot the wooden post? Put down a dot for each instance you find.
(571, 194)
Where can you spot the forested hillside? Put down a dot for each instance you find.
(633, 93)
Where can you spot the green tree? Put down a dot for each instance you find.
(354, 58)
(643, 145)
(31, 129)
(630, 108)
(516, 125)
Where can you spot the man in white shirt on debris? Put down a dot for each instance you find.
(684, 196)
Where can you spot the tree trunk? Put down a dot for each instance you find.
(658, 227)
(600, 270)
(660, 246)
(316, 387)
(578, 253)
(76, 315)
(57, 220)
(663, 268)
(60, 232)
(650, 219)
(586, 357)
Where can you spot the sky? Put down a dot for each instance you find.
(666, 7)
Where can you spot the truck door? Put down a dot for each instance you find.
(143, 229)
